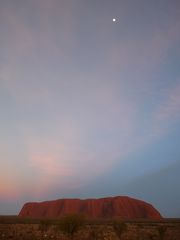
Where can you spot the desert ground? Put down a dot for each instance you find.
(73, 227)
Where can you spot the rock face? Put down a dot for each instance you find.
(110, 207)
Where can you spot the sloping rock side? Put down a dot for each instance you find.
(109, 207)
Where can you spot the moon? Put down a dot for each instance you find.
(114, 19)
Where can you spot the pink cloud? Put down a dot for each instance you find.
(77, 152)
(12, 185)
(7, 190)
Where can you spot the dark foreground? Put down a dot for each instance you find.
(77, 228)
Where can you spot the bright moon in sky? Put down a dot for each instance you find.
(114, 19)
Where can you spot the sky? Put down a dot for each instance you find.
(90, 107)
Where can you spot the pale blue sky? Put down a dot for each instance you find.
(90, 107)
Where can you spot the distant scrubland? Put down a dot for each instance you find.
(77, 227)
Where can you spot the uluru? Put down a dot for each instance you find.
(109, 207)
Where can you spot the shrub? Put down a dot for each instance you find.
(44, 225)
(95, 233)
(162, 230)
(71, 223)
(119, 227)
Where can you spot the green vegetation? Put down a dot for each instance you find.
(162, 230)
(44, 225)
(79, 228)
(119, 227)
(95, 233)
(71, 223)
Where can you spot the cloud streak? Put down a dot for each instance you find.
(79, 94)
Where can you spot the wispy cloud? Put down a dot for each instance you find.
(167, 113)
(80, 95)
(170, 108)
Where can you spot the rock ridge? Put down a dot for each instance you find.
(108, 207)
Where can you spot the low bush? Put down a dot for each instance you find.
(71, 223)
(119, 227)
